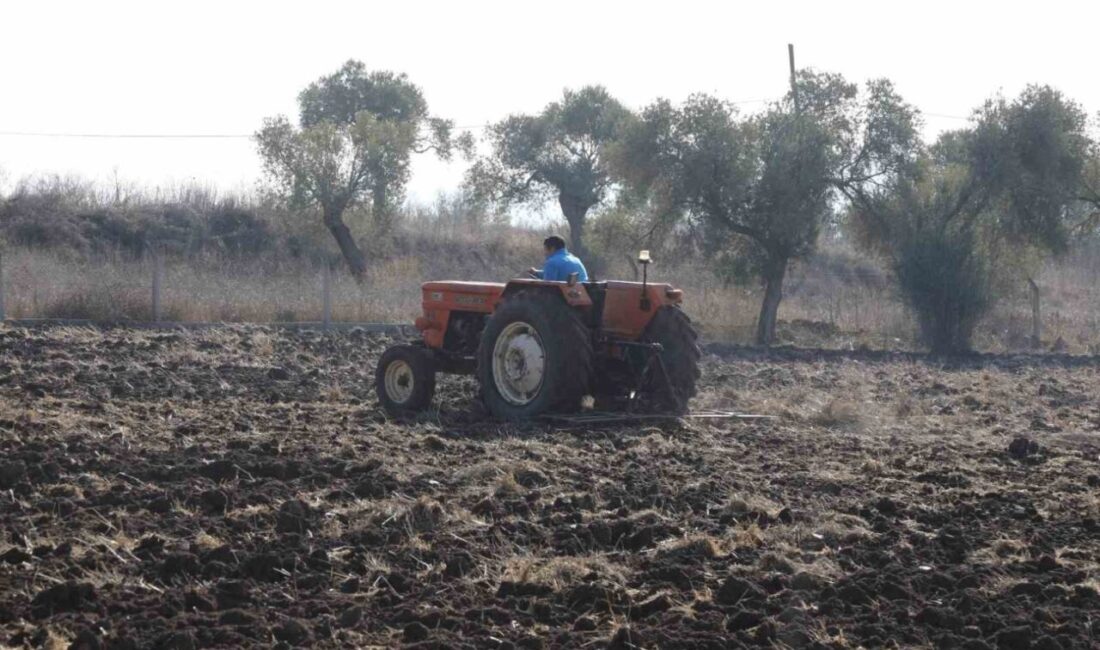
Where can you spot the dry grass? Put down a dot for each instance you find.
(425, 515)
(825, 303)
(206, 541)
(507, 486)
(694, 546)
(560, 571)
(56, 639)
(45, 285)
(839, 412)
(748, 536)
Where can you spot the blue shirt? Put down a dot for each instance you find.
(560, 264)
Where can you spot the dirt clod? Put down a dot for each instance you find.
(647, 608)
(291, 631)
(11, 473)
(15, 556)
(743, 619)
(626, 638)
(415, 631)
(350, 617)
(1022, 447)
(295, 516)
(65, 597)
(585, 624)
(1014, 638)
(738, 591)
(278, 374)
(177, 641)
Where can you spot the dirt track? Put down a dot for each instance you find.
(238, 487)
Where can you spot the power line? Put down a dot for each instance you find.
(206, 136)
(950, 117)
(239, 136)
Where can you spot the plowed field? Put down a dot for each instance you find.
(239, 487)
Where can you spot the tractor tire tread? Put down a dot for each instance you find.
(672, 328)
(569, 349)
(423, 368)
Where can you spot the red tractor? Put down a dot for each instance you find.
(539, 347)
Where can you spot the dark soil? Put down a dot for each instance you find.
(239, 487)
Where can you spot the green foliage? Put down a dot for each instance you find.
(66, 215)
(559, 153)
(1032, 154)
(947, 286)
(759, 189)
(943, 265)
(341, 96)
(957, 220)
(622, 229)
(356, 136)
(334, 164)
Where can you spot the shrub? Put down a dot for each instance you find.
(239, 232)
(106, 304)
(946, 281)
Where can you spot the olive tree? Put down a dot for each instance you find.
(1088, 205)
(962, 215)
(558, 154)
(353, 144)
(760, 188)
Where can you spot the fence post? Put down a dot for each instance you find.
(1036, 320)
(158, 280)
(326, 296)
(3, 315)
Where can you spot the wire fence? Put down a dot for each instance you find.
(157, 313)
(157, 286)
(822, 309)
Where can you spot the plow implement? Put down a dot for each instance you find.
(612, 417)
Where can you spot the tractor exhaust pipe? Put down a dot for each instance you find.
(643, 259)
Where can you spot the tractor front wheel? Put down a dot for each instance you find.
(535, 356)
(405, 379)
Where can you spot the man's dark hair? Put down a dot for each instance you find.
(554, 242)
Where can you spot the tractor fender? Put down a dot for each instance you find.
(575, 295)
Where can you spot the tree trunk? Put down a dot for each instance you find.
(380, 207)
(574, 211)
(769, 309)
(357, 264)
(633, 264)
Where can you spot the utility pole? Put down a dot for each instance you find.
(158, 281)
(794, 84)
(1036, 317)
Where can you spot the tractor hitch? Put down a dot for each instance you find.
(653, 363)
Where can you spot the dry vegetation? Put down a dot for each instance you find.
(827, 304)
(239, 487)
(76, 250)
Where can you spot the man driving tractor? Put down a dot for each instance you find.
(559, 263)
(542, 345)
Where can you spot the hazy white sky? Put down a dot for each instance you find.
(200, 67)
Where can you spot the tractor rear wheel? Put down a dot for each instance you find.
(680, 354)
(535, 356)
(405, 379)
